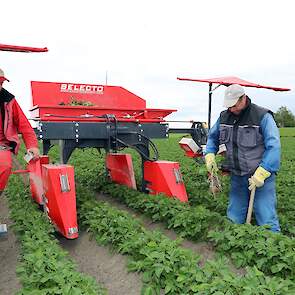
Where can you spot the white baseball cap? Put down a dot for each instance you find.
(2, 76)
(232, 95)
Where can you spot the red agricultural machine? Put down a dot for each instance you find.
(105, 117)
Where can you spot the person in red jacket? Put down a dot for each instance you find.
(12, 122)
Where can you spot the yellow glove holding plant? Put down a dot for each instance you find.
(258, 178)
(211, 163)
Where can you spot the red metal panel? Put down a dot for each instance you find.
(89, 114)
(189, 153)
(36, 182)
(126, 106)
(59, 189)
(102, 96)
(120, 168)
(165, 177)
(233, 80)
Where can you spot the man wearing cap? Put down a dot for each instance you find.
(12, 122)
(253, 150)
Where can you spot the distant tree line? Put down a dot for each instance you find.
(284, 117)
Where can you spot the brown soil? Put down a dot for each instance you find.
(109, 269)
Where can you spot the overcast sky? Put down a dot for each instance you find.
(144, 45)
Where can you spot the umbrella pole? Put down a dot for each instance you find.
(209, 106)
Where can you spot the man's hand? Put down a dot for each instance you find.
(210, 163)
(258, 178)
(35, 152)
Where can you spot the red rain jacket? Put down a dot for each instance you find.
(16, 122)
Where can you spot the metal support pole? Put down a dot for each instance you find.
(144, 148)
(61, 144)
(209, 106)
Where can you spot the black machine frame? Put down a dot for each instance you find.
(111, 135)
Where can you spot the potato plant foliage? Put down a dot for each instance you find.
(167, 268)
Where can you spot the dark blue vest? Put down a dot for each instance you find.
(243, 139)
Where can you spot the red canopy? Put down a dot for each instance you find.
(233, 80)
(5, 47)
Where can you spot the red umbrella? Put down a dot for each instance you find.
(234, 80)
(226, 81)
(5, 47)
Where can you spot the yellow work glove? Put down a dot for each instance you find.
(257, 179)
(210, 163)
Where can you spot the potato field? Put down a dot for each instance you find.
(167, 246)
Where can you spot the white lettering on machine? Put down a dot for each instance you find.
(81, 88)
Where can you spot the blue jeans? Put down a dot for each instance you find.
(264, 202)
